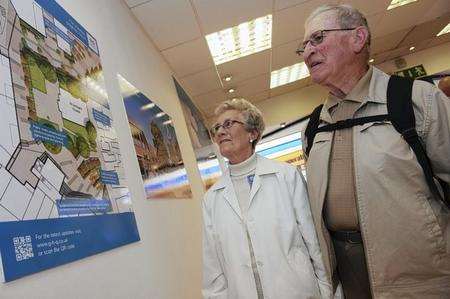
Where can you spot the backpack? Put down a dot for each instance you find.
(401, 115)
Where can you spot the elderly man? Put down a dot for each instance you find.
(383, 231)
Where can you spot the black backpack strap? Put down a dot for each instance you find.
(351, 122)
(401, 113)
(311, 128)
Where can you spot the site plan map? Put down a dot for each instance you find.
(63, 193)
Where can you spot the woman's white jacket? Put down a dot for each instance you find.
(281, 229)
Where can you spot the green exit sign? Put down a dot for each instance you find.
(413, 72)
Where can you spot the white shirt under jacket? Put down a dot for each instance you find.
(281, 229)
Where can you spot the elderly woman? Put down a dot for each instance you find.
(258, 235)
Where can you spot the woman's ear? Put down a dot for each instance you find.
(253, 135)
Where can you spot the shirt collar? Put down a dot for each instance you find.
(358, 94)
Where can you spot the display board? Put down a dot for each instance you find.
(156, 145)
(207, 162)
(285, 144)
(63, 192)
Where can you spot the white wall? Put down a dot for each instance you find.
(167, 262)
(434, 60)
(299, 103)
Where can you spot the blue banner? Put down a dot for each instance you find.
(101, 117)
(46, 134)
(31, 246)
(109, 177)
(63, 35)
(75, 207)
(69, 22)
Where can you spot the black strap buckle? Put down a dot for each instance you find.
(409, 134)
(351, 237)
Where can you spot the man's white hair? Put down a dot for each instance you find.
(346, 15)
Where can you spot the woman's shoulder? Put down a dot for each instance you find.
(213, 190)
(276, 165)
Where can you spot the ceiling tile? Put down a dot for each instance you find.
(258, 97)
(246, 67)
(282, 4)
(380, 58)
(373, 21)
(133, 3)
(189, 58)
(399, 52)
(211, 99)
(285, 55)
(402, 17)
(252, 86)
(168, 23)
(438, 40)
(425, 31)
(288, 24)
(201, 82)
(215, 15)
(289, 87)
(368, 7)
(438, 8)
(387, 42)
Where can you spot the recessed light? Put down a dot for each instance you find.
(412, 48)
(398, 3)
(231, 90)
(371, 60)
(283, 124)
(241, 40)
(288, 74)
(445, 30)
(227, 78)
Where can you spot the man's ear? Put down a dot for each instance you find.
(360, 38)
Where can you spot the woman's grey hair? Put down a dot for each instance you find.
(253, 118)
(347, 16)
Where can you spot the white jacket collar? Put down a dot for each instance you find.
(263, 166)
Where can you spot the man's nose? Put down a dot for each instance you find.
(309, 49)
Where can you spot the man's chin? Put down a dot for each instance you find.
(317, 79)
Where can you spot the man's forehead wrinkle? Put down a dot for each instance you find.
(325, 20)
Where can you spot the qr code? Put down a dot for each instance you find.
(23, 248)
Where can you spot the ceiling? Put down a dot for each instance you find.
(178, 29)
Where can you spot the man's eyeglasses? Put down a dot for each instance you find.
(227, 124)
(317, 38)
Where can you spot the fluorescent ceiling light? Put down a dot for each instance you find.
(167, 122)
(371, 60)
(288, 74)
(445, 30)
(148, 106)
(398, 3)
(231, 90)
(412, 48)
(160, 114)
(241, 40)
